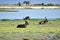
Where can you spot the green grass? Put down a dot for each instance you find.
(7, 11)
(10, 26)
(9, 31)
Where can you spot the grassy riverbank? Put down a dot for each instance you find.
(10, 26)
(3, 10)
(8, 30)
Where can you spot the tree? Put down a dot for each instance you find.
(19, 4)
(42, 4)
(50, 4)
(26, 2)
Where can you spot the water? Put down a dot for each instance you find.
(33, 13)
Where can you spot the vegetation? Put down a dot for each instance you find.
(9, 30)
(50, 4)
(3, 10)
(42, 4)
(26, 2)
(19, 4)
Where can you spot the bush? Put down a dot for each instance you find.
(5, 19)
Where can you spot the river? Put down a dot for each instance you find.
(32, 13)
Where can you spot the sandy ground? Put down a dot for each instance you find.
(33, 7)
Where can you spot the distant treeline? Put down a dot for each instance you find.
(50, 4)
(42, 4)
(28, 3)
